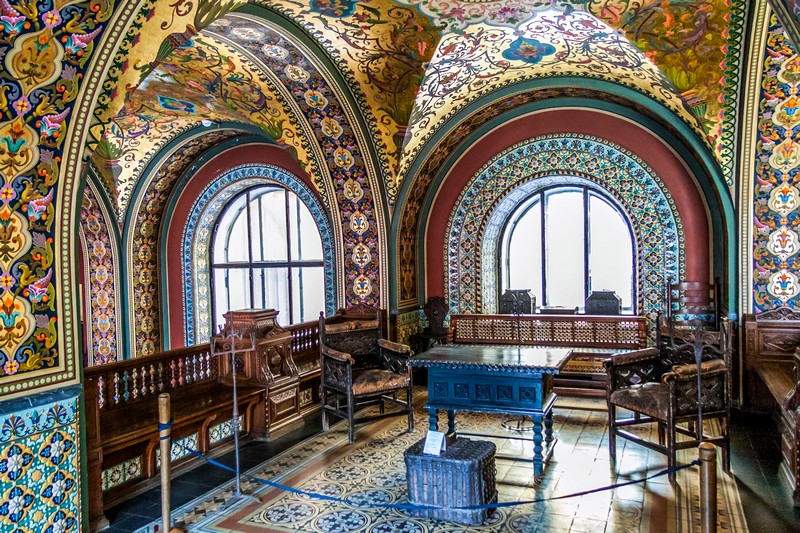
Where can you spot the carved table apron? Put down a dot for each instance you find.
(495, 379)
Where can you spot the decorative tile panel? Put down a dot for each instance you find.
(103, 279)
(198, 231)
(558, 159)
(40, 463)
(122, 473)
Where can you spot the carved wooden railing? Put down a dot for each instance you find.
(124, 382)
(305, 338)
(618, 332)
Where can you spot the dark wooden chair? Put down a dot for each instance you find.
(666, 385)
(693, 304)
(359, 367)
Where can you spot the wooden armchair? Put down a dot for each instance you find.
(660, 385)
(361, 368)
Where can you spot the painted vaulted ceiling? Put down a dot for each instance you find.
(407, 65)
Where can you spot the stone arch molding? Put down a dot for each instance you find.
(498, 187)
(198, 231)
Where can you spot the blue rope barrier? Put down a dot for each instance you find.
(162, 427)
(409, 506)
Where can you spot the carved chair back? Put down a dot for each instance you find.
(355, 331)
(435, 311)
(693, 304)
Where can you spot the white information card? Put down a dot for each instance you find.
(434, 443)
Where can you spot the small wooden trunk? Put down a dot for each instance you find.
(463, 475)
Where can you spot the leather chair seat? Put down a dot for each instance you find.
(376, 381)
(651, 399)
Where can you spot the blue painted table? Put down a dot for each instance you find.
(495, 379)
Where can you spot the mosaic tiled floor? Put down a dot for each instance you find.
(373, 470)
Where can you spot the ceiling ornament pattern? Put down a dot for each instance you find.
(44, 57)
(776, 195)
(196, 241)
(484, 59)
(156, 30)
(356, 199)
(382, 49)
(205, 80)
(144, 292)
(456, 15)
(102, 281)
(645, 199)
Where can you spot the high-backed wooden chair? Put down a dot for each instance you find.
(665, 385)
(693, 304)
(359, 367)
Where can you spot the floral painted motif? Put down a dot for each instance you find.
(775, 221)
(639, 191)
(528, 50)
(102, 283)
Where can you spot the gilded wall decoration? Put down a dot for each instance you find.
(382, 49)
(775, 195)
(347, 159)
(196, 241)
(204, 80)
(470, 65)
(642, 195)
(157, 29)
(40, 475)
(143, 253)
(687, 40)
(45, 49)
(103, 279)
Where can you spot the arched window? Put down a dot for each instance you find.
(267, 253)
(564, 242)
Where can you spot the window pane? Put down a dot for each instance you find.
(564, 240)
(611, 251)
(269, 226)
(230, 244)
(308, 292)
(271, 290)
(525, 253)
(231, 291)
(306, 242)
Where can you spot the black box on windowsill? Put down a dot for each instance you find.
(603, 303)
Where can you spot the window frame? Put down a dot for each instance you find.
(253, 194)
(539, 197)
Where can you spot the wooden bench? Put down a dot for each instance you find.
(277, 383)
(772, 381)
(591, 339)
(122, 418)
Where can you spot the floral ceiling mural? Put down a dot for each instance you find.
(483, 59)
(385, 48)
(203, 80)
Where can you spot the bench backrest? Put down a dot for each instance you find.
(143, 378)
(612, 332)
